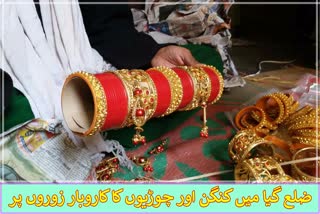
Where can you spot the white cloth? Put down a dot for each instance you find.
(39, 62)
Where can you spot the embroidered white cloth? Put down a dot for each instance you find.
(39, 59)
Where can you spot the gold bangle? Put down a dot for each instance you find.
(99, 99)
(292, 118)
(303, 124)
(302, 119)
(175, 88)
(221, 82)
(305, 133)
(311, 141)
(248, 110)
(244, 122)
(261, 169)
(297, 172)
(243, 143)
(202, 87)
(293, 108)
(267, 124)
(144, 100)
(286, 103)
(142, 93)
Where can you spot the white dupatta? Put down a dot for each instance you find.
(39, 60)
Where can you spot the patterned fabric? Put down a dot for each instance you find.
(186, 154)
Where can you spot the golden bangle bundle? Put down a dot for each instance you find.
(266, 116)
(275, 121)
(303, 127)
(303, 111)
(122, 98)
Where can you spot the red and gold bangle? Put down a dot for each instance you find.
(129, 91)
(256, 116)
(176, 90)
(100, 103)
(262, 103)
(117, 99)
(187, 85)
(244, 122)
(217, 83)
(163, 91)
(144, 95)
(248, 110)
(202, 87)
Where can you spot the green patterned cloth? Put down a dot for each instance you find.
(186, 153)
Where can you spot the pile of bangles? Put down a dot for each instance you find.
(115, 99)
(277, 141)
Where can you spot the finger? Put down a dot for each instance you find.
(190, 60)
(162, 63)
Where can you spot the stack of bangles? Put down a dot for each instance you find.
(111, 100)
(272, 133)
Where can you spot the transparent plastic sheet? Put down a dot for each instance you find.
(307, 90)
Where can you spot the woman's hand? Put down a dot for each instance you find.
(172, 56)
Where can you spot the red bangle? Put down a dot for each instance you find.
(187, 85)
(216, 87)
(163, 91)
(117, 99)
